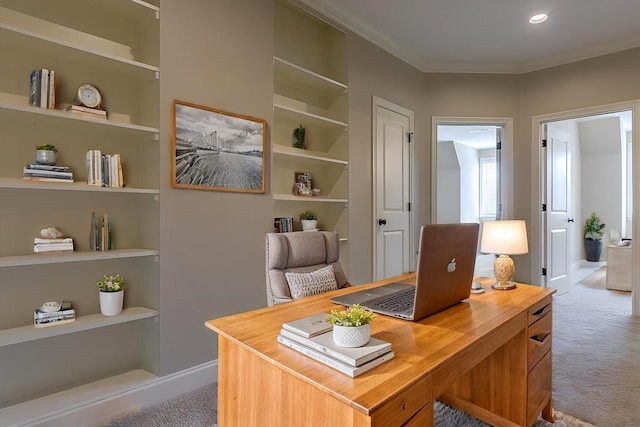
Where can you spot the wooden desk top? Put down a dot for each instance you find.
(443, 345)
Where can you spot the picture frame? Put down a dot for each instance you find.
(216, 150)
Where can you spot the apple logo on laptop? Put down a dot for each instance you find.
(452, 266)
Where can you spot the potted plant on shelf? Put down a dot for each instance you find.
(111, 294)
(46, 154)
(351, 327)
(309, 220)
(299, 135)
(593, 237)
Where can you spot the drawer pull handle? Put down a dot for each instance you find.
(542, 310)
(404, 405)
(540, 337)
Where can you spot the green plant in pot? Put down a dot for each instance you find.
(46, 154)
(309, 220)
(593, 237)
(299, 135)
(351, 327)
(111, 294)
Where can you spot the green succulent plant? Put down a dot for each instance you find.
(111, 284)
(299, 137)
(308, 215)
(352, 316)
(48, 147)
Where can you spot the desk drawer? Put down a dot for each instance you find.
(405, 405)
(539, 310)
(539, 342)
(539, 385)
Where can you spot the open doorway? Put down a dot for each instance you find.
(586, 166)
(471, 158)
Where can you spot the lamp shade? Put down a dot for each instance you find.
(507, 237)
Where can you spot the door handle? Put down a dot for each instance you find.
(382, 221)
(571, 220)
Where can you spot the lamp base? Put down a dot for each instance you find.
(504, 286)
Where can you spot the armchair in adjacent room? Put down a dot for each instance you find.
(302, 264)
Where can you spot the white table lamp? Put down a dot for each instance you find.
(504, 238)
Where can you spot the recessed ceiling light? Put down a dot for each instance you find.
(538, 19)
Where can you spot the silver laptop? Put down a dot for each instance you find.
(446, 260)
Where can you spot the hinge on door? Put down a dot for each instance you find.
(409, 206)
(544, 143)
(544, 207)
(409, 137)
(498, 145)
(544, 271)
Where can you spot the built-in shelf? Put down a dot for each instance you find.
(300, 76)
(290, 114)
(82, 323)
(26, 184)
(299, 154)
(309, 199)
(74, 256)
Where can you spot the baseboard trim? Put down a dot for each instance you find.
(108, 401)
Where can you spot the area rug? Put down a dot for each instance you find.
(198, 409)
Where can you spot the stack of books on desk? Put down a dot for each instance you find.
(43, 319)
(313, 337)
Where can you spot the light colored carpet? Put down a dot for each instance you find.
(596, 355)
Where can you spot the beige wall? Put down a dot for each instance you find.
(219, 54)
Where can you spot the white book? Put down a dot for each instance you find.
(354, 356)
(44, 88)
(352, 371)
(37, 240)
(51, 98)
(52, 247)
(309, 326)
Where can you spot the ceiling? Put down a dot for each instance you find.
(488, 36)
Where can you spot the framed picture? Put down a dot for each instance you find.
(216, 150)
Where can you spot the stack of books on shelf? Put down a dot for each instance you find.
(92, 113)
(104, 170)
(41, 245)
(100, 233)
(313, 337)
(49, 173)
(65, 314)
(283, 225)
(42, 88)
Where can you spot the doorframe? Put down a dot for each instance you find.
(375, 103)
(537, 182)
(506, 166)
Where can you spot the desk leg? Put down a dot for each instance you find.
(547, 412)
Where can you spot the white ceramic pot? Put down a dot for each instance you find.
(111, 302)
(46, 157)
(309, 224)
(351, 336)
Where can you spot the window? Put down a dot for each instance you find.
(488, 187)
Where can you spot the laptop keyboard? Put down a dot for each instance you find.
(398, 302)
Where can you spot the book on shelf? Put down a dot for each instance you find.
(104, 170)
(44, 88)
(34, 88)
(51, 95)
(37, 240)
(46, 323)
(283, 225)
(309, 326)
(44, 173)
(86, 110)
(100, 237)
(353, 356)
(65, 314)
(47, 179)
(352, 371)
(52, 247)
(54, 168)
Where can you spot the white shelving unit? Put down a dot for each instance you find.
(310, 89)
(119, 53)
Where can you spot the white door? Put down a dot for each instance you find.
(557, 214)
(392, 191)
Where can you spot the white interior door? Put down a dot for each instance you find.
(557, 216)
(392, 191)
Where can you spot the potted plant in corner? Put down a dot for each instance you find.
(351, 327)
(299, 135)
(309, 220)
(593, 237)
(46, 154)
(111, 294)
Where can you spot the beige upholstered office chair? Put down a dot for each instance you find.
(302, 264)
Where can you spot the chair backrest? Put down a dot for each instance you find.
(299, 252)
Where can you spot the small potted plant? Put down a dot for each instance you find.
(111, 294)
(299, 135)
(351, 327)
(309, 220)
(46, 154)
(593, 237)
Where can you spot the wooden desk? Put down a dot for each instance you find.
(489, 356)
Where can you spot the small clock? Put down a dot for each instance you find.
(89, 96)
